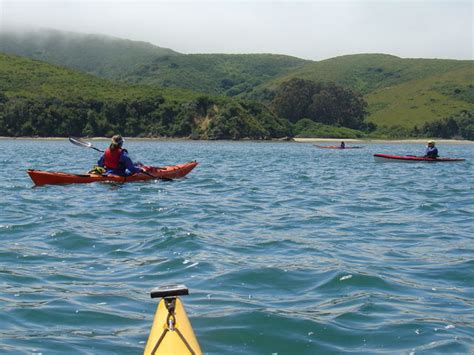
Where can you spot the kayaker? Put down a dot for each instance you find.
(431, 150)
(116, 160)
(343, 145)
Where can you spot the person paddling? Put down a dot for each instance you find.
(116, 160)
(431, 150)
(343, 145)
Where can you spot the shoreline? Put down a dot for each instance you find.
(382, 141)
(295, 140)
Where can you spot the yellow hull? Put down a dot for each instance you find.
(171, 332)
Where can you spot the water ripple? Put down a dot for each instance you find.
(285, 249)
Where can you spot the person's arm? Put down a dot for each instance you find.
(128, 163)
(100, 162)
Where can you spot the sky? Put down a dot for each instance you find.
(315, 30)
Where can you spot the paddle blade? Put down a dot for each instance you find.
(80, 142)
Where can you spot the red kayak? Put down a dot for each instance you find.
(410, 158)
(166, 172)
(335, 147)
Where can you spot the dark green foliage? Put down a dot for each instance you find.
(294, 98)
(326, 103)
(461, 125)
(139, 117)
(234, 122)
(457, 91)
(38, 99)
(274, 126)
(3, 98)
(333, 104)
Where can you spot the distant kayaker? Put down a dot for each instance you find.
(116, 160)
(343, 145)
(431, 150)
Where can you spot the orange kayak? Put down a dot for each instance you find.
(166, 172)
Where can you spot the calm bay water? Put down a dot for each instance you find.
(285, 248)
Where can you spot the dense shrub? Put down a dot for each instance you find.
(325, 103)
(201, 118)
(461, 125)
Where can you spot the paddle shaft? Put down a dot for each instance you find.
(155, 177)
(97, 149)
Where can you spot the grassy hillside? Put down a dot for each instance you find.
(400, 92)
(41, 99)
(104, 56)
(368, 72)
(21, 76)
(224, 74)
(418, 101)
(144, 63)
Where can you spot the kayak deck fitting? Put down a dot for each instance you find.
(411, 159)
(171, 331)
(40, 177)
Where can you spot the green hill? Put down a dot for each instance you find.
(222, 74)
(41, 99)
(368, 72)
(400, 92)
(100, 55)
(24, 77)
(415, 102)
(144, 63)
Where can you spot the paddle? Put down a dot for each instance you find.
(155, 177)
(416, 156)
(81, 143)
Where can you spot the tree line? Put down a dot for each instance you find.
(293, 106)
(459, 126)
(205, 117)
(202, 118)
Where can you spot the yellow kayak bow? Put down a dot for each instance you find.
(171, 332)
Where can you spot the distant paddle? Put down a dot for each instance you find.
(81, 143)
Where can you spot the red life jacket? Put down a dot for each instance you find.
(112, 158)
